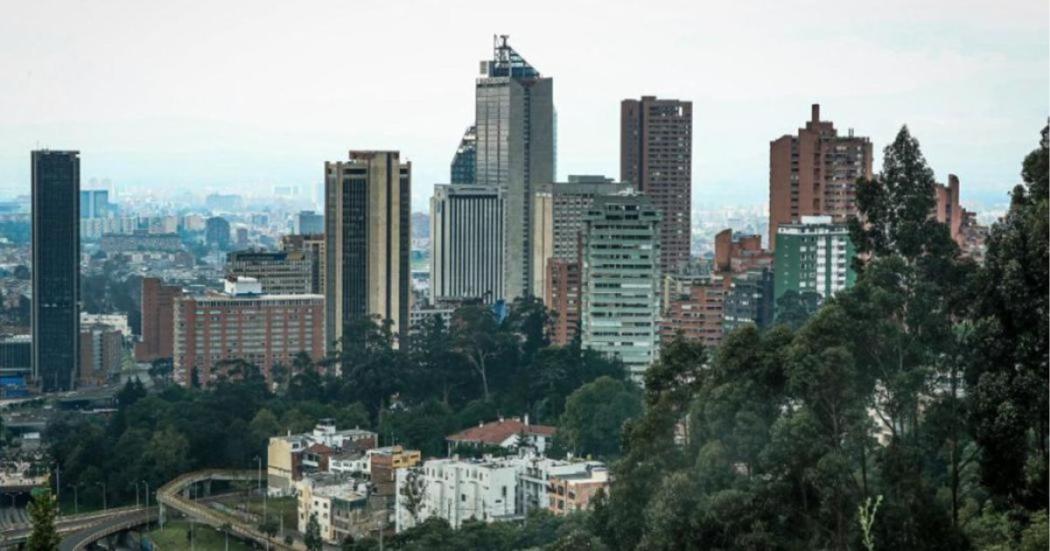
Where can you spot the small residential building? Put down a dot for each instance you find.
(815, 255)
(572, 492)
(488, 489)
(289, 457)
(340, 504)
(383, 466)
(505, 433)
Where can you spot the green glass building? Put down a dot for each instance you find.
(813, 256)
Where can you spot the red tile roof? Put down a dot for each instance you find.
(497, 432)
(320, 449)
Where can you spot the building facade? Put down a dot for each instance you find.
(514, 113)
(749, 300)
(101, 354)
(217, 233)
(56, 268)
(558, 214)
(563, 299)
(697, 315)
(736, 254)
(466, 235)
(656, 157)
(367, 241)
(280, 273)
(308, 222)
(621, 281)
(814, 256)
(815, 173)
(243, 324)
(313, 245)
(158, 307)
(94, 203)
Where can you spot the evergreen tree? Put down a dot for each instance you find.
(312, 537)
(42, 511)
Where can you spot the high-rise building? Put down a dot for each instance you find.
(56, 268)
(815, 174)
(558, 211)
(515, 151)
(656, 156)
(563, 299)
(367, 241)
(217, 232)
(313, 245)
(280, 273)
(244, 324)
(749, 300)
(158, 302)
(308, 222)
(94, 203)
(621, 279)
(465, 161)
(466, 260)
(813, 256)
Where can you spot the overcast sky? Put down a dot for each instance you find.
(243, 95)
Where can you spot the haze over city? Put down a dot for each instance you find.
(242, 96)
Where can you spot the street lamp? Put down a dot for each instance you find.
(76, 497)
(147, 502)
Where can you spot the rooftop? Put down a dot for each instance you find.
(497, 432)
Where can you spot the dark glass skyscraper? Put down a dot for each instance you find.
(463, 163)
(56, 268)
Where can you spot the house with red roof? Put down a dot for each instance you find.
(508, 433)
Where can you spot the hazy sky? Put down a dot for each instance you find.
(243, 95)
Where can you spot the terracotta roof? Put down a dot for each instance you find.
(498, 431)
(320, 449)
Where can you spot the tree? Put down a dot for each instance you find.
(794, 308)
(476, 336)
(595, 414)
(1007, 375)
(413, 493)
(42, 511)
(312, 537)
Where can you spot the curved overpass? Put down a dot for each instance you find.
(81, 539)
(173, 495)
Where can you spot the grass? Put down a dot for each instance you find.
(286, 507)
(205, 538)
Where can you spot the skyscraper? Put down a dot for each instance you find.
(465, 161)
(621, 280)
(217, 232)
(367, 218)
(656, 156)
(466, 258)
(515, 151)
(309, 222)
(94, 203)
(56, 268)
(815, 174)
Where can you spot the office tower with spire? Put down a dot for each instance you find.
(367, 217)
(656, 156)
(814, 173)
(515, 151)
(56, 269)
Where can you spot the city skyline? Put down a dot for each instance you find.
(237, 105)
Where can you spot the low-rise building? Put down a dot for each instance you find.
(340, 505)
(512, 433)
(290, 457)
(571, 492)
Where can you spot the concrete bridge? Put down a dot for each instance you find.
(176, 495)
(74, 529)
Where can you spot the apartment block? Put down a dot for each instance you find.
(696, 315)
(739, 253)
(815, 256)
(621, 280)
(749, 300)
(158, 304)
(243, 323)
(656, 156)
(563, 299)
(815, 173)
